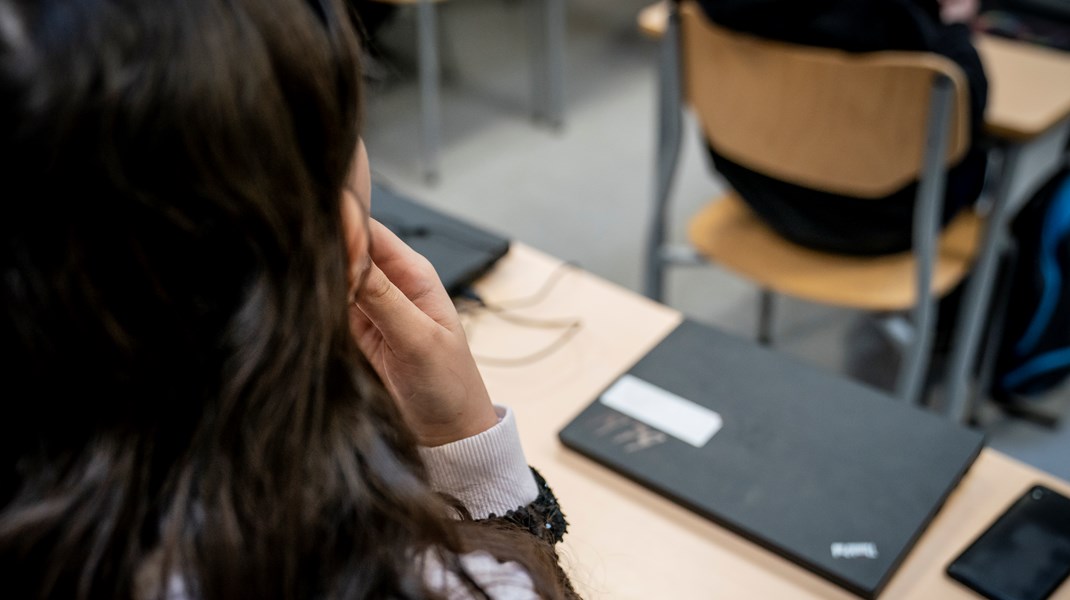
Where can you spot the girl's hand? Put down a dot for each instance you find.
(406, 325)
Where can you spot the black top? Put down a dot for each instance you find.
(834, 222)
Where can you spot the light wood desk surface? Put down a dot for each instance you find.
(627, 542)
(1029, 85)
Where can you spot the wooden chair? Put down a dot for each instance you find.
(861, 125)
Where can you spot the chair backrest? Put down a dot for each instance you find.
(852, 124)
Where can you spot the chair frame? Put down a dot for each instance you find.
(926, 225)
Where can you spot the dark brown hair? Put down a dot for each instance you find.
(184, 405)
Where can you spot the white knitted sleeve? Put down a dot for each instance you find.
(486, 472)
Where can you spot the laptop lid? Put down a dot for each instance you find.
(1044, 22)
(828, 473)
(1052, 9)
(460, 251)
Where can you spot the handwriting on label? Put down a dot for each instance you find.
(629, 434)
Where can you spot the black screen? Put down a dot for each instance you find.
(1025, 554)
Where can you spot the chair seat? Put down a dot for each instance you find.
(728, 232)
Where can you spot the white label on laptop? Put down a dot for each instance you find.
(662, 410)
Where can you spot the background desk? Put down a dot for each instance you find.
(627, 542)
(547, 34)
(1028, 121)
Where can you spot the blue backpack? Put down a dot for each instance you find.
(1035, 349)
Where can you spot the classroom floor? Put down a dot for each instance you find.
(583, 193)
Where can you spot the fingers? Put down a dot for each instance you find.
(409, 271)
(400, 322)
(401, 295)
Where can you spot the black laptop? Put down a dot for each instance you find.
(828, 473)
(1044, 22)
(460, 251)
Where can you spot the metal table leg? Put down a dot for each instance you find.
(994, 338)
(669, 134)
(430, 76)
(555, 62)
(546, 33)
(537, 55)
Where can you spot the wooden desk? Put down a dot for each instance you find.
(1029, 87)
(627, 542)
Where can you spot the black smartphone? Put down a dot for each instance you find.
(1024, 554)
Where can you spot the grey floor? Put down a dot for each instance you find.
(583, 192)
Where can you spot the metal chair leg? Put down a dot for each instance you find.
(978, 297)
(910, 383)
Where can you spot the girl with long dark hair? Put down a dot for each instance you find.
(221, 379)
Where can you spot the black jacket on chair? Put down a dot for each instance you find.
(827, 221)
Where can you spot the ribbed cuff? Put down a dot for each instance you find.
(486, 472)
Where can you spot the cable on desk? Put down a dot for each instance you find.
(569, 332)
(469, 303)
(544, 290)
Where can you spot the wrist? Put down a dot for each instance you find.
(463, 425)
